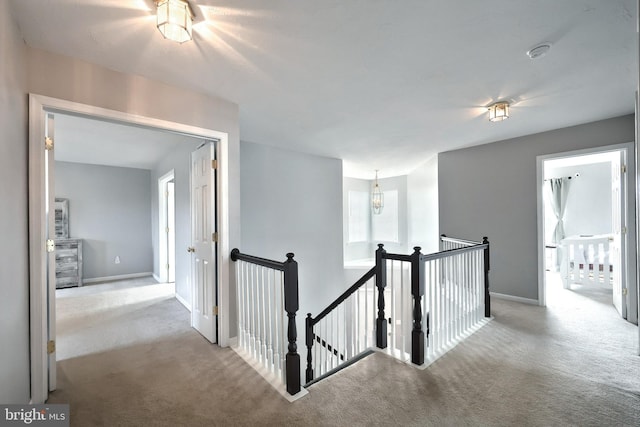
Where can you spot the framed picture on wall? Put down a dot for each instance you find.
(62, 218)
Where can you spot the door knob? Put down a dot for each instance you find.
(191, 249)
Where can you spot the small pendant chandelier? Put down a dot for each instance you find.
(377, 198)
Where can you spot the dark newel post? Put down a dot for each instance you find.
(417, 291)
(292, 360)
(381, 282)
(309, 339)
(487, 297)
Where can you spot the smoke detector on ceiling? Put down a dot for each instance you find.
(539, 51)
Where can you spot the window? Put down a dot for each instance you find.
(359, 216)
(385, 225)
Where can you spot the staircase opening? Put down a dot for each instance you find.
(412, 307)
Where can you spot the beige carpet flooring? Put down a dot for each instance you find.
(573, 363)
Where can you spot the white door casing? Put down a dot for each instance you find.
(617, 248)
(171, 232)
(40, 308)
(50, 196)
(164, 255)
(203, 242)
(627, 195)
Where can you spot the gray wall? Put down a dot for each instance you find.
(109, 209)
(14, 268)
(422, 197)
(490, 190)
(178, 160)
(292, 202)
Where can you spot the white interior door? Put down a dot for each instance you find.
(51, 256)
(203, 242)
(617, 248)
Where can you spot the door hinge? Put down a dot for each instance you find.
(51, 346)
(623, 168)
(167, 266)
(623, 230)
(215, 310)
(166, 230)
(51, 245)
(48, 143)
(624, 291)
(214, 237)
(214, 164)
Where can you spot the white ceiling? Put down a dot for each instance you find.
(382, 84)
(85, 140)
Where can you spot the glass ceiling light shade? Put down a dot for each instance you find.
(498, 111)
(175, 20)
(377, 198)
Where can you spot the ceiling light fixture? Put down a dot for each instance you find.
(377, 198)
(175, 19)
(498, 111)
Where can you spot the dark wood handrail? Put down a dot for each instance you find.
(451, 252)
(444, 238)
(364, 279)
(237, 255)
(397, 257)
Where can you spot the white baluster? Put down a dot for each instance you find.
(247, 309)
(365, 316)
(239, 304)
(358, 350)
(283, 326)
(270, 320)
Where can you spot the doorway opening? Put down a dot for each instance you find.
(586, 230)
(43, 111)
(167, 228)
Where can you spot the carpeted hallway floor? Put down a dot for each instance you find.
(573, 363)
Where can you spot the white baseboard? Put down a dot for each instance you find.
(118, 277)
(183, 302)
(514, 298)
(156, 278)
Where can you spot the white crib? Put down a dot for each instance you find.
(585, 260)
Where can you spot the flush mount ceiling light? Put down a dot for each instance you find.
(175, 19)
(498, 111)
(377, 198)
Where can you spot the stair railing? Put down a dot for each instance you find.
(343, 332)
(456, 298)
(433, 301)
(267, 305)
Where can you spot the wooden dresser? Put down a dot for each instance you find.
(68, 263)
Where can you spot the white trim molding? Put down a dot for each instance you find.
(39, 106)
(513, 298)
(117, 277)
(183, 302)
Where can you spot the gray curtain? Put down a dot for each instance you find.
(558, 190)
